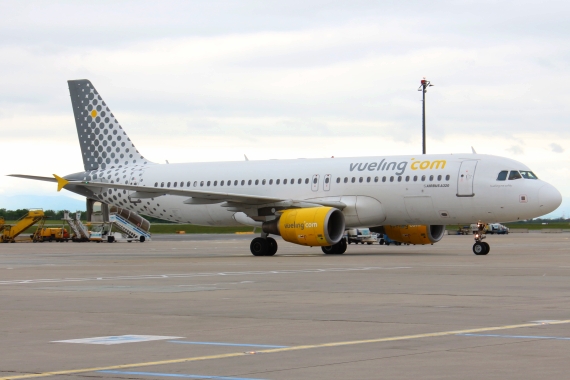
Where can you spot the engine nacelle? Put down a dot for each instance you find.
(314, 226)
(415, 234)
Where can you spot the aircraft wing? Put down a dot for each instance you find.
(196, 196)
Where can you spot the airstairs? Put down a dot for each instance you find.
(129, 224)
(10, 232)
(80, 232)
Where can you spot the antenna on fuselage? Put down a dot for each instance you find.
(423, 88)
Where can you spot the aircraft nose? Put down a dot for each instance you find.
(549, 198)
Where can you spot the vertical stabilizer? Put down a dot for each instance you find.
(104, 144)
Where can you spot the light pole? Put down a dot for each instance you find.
(423, 88)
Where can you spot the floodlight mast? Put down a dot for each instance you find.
(423, 88)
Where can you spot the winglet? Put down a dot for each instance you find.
(473, 150)
(61, 182)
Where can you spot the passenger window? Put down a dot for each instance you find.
(431, 178)
(315, 180)
(222, 183)
(375, 179)
(360, 180)
(368, 179)
(271, 182)
(292, 181)
(415, 178)
(345, 179)
(338, 180)
(175, 183)
(256, 182)
(156, 184)
(229, 183)
(181, 184)
(263, 182)
(423, 178)
(353, 180)
(407, 178)
(195, 183)
(168, 184)
(208, 184)
(249, 182)
(201, 183)
(327, 180)
(215, 183)
(236, 182)
(502, 175)
(285, 181)
(162, 184)
(514, 174)
(528, 174)
(439, 177)
(299, 181)
(306, 181)
(399, 178)
(447, 177)
(188, 184)
(383, 179)
(392, 178)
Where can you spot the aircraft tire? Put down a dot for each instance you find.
(487, 247)
(259, 247)
(272, 249)
(479, 249)
(329, 249)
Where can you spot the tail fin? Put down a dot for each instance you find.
(104, 143)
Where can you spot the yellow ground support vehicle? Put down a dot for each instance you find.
(1, 224)
(50, 234)
(11, 231)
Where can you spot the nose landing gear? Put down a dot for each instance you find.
(480, 247)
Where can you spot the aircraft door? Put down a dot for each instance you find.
(315, 183)
(327, 182)
(465, 178)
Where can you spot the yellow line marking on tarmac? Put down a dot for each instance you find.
(274, 350)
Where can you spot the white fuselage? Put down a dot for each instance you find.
(394, 190)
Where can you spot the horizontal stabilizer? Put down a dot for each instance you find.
(34, 177)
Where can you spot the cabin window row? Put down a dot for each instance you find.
(399, 178)
(231, 183)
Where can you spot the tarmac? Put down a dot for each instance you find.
(202, 307)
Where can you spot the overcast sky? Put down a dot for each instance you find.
(212, 80)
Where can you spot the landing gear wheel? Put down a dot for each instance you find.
(337, 249)
(272, 246)
(480, 248)
(259, 246)
(487, 247)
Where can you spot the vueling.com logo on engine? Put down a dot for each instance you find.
(301, 226)
(400, 166)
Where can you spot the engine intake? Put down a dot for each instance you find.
(415, 234)
(314, 226)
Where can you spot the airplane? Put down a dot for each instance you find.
(310, 202)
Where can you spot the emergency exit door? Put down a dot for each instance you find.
(465, 178)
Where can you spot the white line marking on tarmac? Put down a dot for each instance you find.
(190, 275)
(119, 339)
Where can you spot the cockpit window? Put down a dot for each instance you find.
(514, 174)
(526, 174)
(502, 175)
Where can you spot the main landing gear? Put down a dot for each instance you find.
(337, 249)
(263, 246)
(480, 247)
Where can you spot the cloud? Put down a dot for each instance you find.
(515, 149)
(556, 148)
(202, 80)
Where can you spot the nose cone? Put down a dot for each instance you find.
(549, 198)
